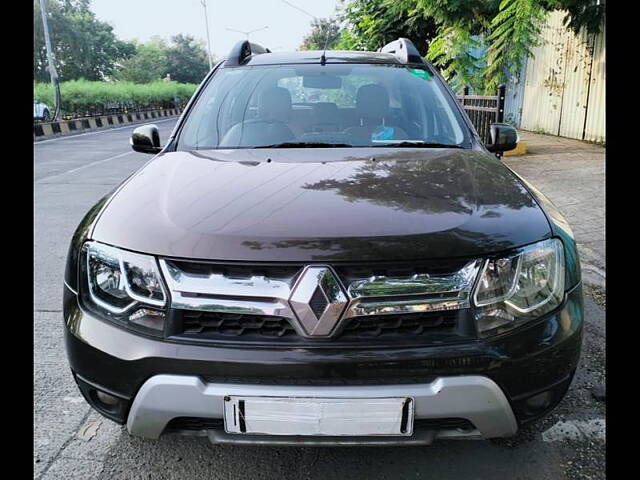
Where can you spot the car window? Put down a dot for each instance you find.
(339, 104)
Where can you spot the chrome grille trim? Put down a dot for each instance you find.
(211, 284)
(418, 284)
(419, 293)
(240, 306)
(256, 295)
(261, 295)
(362, 307)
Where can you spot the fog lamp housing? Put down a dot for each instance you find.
(110, 404)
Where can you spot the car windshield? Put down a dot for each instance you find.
(333, 105)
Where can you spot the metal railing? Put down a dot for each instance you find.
(483, 110)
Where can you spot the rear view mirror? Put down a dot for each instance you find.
(322, 81)
(503, 138)
(146, 139)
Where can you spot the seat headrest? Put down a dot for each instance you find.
(326, 112)
(372, 101)
(274, 102)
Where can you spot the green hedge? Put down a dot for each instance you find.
(84, 97)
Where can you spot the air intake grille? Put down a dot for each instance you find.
(255, 328)
(443, 424)
(193, 424)
(414, 324)
(229, 325)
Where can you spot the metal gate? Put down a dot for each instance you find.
(564, 85)
(483, 110)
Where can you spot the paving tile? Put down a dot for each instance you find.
(572, 175)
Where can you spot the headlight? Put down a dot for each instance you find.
(519, 287)
(122, 286)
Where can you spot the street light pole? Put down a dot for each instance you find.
(206, 22)
(52, 66)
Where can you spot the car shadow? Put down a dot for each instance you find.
(173, 457)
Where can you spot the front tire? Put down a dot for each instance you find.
(46, 116)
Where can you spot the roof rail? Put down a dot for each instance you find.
(243, 50)
(404, 50)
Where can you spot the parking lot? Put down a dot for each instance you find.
(72, 441)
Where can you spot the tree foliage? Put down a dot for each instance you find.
(370, 24)
(455, 52)
(514, 32)
(83, 46)
(581, 14)
(184, 59)
(325, 33)
(472, 15)
(473, 42)
(148, 64)
(187, 60)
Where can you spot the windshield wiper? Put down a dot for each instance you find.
(305, 145)
(418, 145)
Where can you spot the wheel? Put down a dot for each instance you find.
(46, 116)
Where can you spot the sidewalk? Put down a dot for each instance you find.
(571, 174)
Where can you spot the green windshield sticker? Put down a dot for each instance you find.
(420, 73)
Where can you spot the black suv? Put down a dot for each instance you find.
(324, 252)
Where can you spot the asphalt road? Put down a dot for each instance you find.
(71, 441)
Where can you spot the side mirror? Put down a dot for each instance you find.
(503, 138)
(146, 139)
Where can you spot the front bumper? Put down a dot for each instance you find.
(475, 398)
(528, 362)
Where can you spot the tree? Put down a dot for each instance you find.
(370, 24)
(581, 14)
(83, 46)
(148, 64)
(473, 42)
(514, 32)
(325, 33)
(187, 59)
(184, 59)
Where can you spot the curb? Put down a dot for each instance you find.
(521, 149)
(43, 131)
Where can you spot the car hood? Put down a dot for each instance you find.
(304, 205)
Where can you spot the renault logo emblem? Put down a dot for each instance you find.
(318, 301)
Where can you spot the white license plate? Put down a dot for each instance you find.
(319, 416)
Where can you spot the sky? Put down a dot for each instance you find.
(143, 19)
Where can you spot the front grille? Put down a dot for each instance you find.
(230, 325)
(413, 324)
(414, 327)
(250, 303)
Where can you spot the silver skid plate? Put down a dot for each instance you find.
(319, 416)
